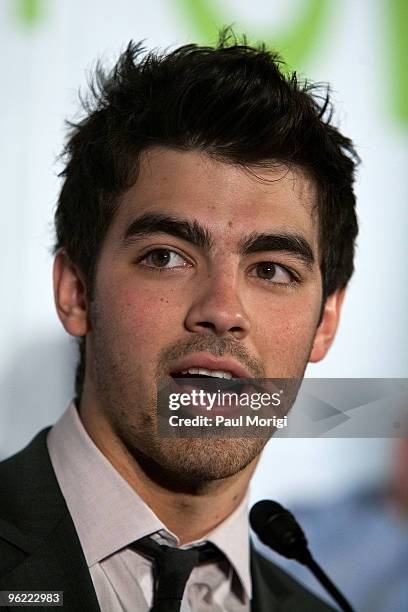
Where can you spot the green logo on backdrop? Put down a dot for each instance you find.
(298, 43)
(300, 40)
(29, 12)
(398, 41)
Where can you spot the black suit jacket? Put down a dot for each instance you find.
(40, 549)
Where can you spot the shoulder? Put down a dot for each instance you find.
(24, 477)
(30, 501)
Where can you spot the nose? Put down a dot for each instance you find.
(218, 308)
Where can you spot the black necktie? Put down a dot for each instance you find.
(173, 566)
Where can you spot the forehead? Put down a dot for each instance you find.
(224, 197)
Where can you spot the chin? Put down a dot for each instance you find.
(196, 461)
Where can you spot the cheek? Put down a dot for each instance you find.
(140, 313)
(285, 329)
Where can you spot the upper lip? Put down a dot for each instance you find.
(210, 362)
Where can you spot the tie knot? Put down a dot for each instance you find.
(174, 566)
(197, 554)
(163, 554)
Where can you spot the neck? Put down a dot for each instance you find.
(206, 505)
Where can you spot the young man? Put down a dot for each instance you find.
(206, 220)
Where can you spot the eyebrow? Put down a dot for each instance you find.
(155, 223)
(294, 244)
(199, 236)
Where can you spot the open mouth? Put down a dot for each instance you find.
(204, 378)
(203, 373)
(208, 380)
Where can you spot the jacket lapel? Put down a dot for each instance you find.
(274, 589)
(268, 592)
(58, 564)
(38, 524)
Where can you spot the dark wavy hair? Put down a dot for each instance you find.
(233, 101)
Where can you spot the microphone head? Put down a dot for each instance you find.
(277, 528)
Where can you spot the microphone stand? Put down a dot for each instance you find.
(277, 528)
(325, 581)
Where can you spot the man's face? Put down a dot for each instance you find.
(204, 260)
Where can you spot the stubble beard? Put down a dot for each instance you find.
(183, 462)
(129, 405)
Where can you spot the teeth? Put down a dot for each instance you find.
(205, 372)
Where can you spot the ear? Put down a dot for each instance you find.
(70, 295)
(327, 329)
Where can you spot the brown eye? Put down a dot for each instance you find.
(274, 273)
(266, 270)
(163, 259)
(160, 258)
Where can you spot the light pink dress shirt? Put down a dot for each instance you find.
(109, 515)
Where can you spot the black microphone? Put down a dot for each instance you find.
(277, 528)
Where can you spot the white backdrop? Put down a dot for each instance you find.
(46, 55)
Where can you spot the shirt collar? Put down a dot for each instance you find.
(108, 514)
(232, 538)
